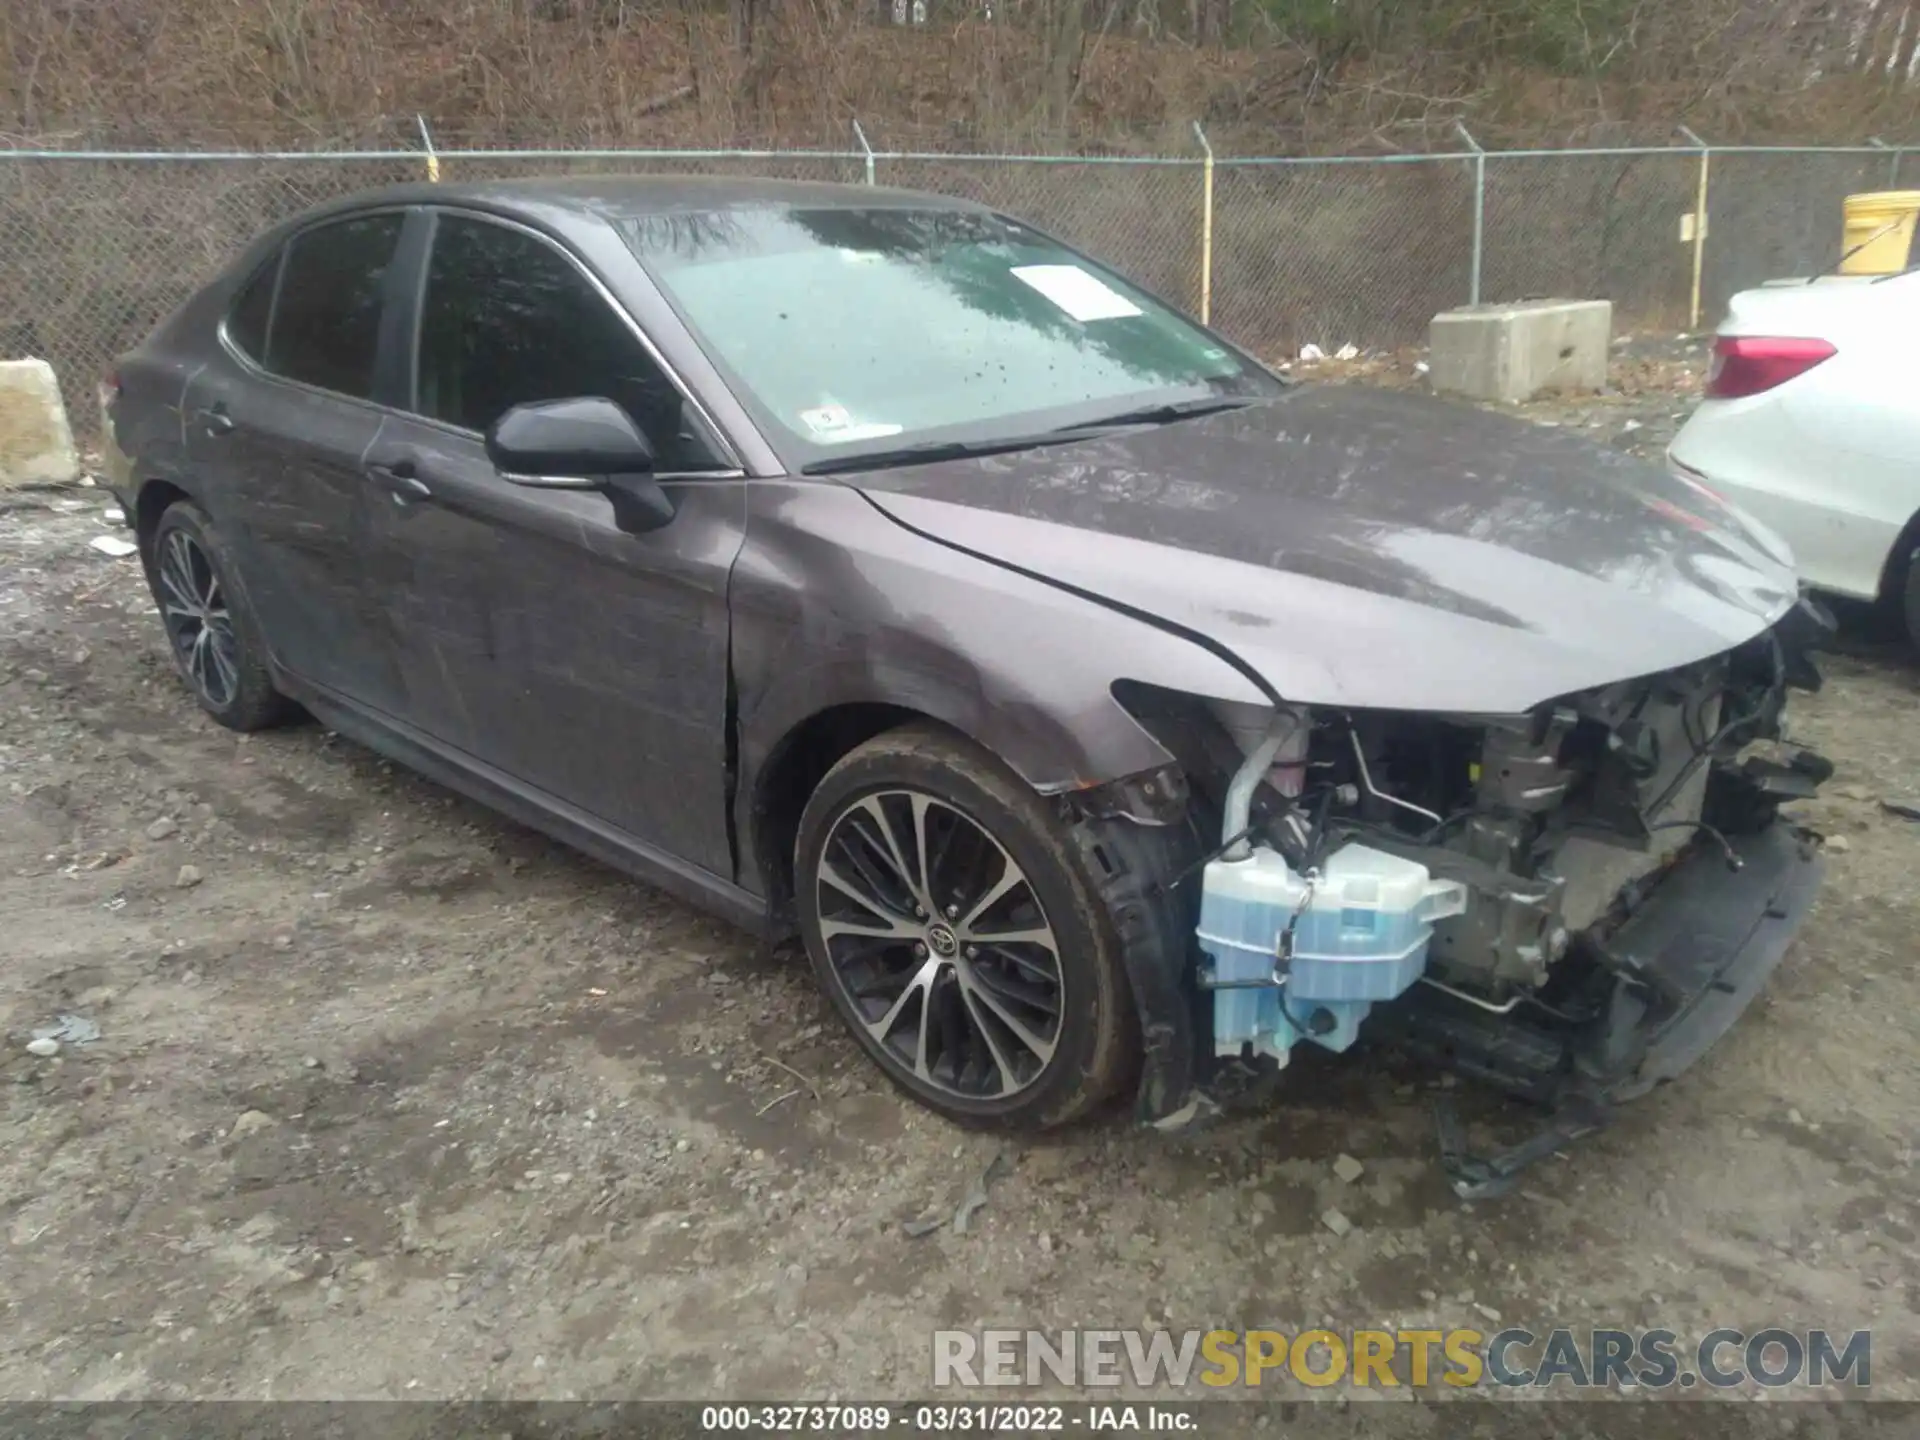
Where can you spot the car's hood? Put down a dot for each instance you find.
(1374, 549)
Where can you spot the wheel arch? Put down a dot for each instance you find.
(150, 502)
(794, 765)
(1899, 562)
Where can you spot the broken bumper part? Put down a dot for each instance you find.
(1687, 965)
(1704, 945)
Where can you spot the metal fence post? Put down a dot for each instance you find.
(433, 158)
(1206, 226)
(1699, 227)
(865, 148)
(1893, 160)
(1479, 209)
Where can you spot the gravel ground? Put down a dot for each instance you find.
(395, 1098)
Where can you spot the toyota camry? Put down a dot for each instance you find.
(1106, 714)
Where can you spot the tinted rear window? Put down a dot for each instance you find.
(326, 327)
(253, 309)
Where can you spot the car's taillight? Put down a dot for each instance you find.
(1750, 364)
(109, 391)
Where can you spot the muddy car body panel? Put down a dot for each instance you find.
(1207, 618)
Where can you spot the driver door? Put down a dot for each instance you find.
(536, 636)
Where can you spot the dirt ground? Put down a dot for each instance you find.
(394, 1098)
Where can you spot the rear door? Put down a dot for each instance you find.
(278, 424)
(535, 633)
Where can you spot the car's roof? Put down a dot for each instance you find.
(619, 197)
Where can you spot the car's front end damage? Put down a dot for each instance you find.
(1601, 885)
(1511, 797)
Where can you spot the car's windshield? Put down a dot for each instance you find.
(852, 330)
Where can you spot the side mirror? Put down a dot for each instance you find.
(587, 443)
(568, 444)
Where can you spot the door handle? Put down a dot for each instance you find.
(215, 419)
(400, 479)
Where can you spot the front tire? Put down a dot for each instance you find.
(947, 919)
(212, 634)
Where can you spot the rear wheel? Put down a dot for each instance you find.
(211, 630)
(947, 919)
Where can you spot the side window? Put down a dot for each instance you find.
(326, 327)
(508, 320)
(253, 309)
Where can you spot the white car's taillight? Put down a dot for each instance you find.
(1752, 364)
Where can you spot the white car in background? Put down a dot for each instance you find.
(1811, 424)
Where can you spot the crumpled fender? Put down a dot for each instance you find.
(834, 604)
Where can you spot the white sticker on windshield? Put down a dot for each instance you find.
(1081, 295)
(832, 425)
(825, 419)
(871, 430)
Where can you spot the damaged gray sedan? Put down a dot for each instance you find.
(1106, 714)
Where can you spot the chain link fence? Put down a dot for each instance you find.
(96, 248)
(1777, 213)
(1332, 252)
(1607, 226)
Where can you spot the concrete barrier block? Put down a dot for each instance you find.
(36, 442)
(1514, 352)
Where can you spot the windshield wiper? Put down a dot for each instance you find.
(928, 451)
(1162, 414)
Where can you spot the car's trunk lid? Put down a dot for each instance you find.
(1809, 308)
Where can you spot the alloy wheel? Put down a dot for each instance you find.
(194, 607)
(941, 944)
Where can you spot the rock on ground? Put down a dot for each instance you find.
(36, 443)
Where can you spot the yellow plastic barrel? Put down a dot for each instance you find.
(1879, 232)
